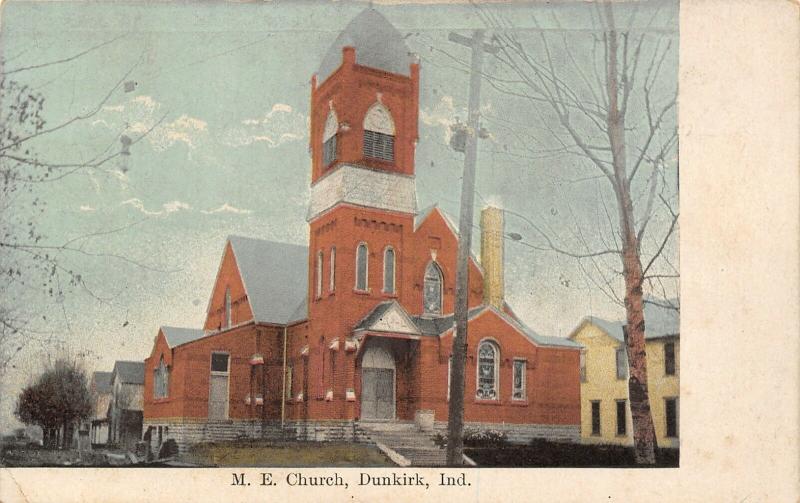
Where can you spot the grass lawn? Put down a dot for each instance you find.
(294, 454)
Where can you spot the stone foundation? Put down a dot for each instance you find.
(188, 433)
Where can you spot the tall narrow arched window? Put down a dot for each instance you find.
(362, 268)
(332, 281)
(329, 139)
(227, 308)
(488, 358)
(318, 289)
(432, 290)
(388, 270)
(379, 133)
(161, 381)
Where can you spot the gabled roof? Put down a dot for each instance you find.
(176, 336)
(659, 321)
(128, 372)
(102, 382)
(388, 316)
(377, 42)
(423, 215)
(275, 278)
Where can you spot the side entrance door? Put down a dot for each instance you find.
(218, 392)
(377, 393)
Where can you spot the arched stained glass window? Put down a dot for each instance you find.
(388, 270)
(361, 267)
(161, 381)
(488, 357)
(432, 289)
(332, 284)
(319, 275)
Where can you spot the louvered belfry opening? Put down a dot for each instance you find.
(378, 145)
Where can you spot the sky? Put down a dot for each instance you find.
(223, 91)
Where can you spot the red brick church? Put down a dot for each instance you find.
(358, 326)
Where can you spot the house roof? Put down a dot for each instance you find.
(386, 314)
(377, 42)
(275, 277)
(102, 382)
(659, 321)
(176, 336)
(128, 372)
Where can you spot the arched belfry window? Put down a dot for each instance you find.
(362, 268)
(379, 133)
(432, 289)
(488, 358)
(388, 270)
(329, 139)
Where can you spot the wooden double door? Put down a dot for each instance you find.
(377, 393)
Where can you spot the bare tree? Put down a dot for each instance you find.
(32, 264)
(603, 99)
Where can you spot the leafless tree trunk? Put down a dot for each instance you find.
(584, 101)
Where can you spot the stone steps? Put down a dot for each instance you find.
(408, 441)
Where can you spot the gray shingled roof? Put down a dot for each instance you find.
(659, 321)
(129, 372)
(275, 277)
(177, 335)
(438, 325)
(378, 45)
(102, 382)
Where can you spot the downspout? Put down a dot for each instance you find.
(283, 390)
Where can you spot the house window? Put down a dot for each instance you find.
(332, 284)
(319, 275)
(622, 363)
(219, 362)
(622, 407)
(329, 139)
(669, 358)
(583, 365)
(388, 270)
(227, 308)
(488, 354)
(595, 418)
(361, 267)
(432, 289)
(671, 413)
(161, 380)
(518, 390)
(379, 133)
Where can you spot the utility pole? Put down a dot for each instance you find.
(455, 418)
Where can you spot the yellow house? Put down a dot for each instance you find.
(605, 410)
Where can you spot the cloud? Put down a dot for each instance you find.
(444, 114)
(166, 208)
(141, 114)
(278, 126)
(227, 208)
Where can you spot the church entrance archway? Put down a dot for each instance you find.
(377, 384)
